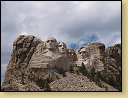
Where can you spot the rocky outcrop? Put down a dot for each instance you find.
(112, 66)
(115, 53)
(37, 65)
(74, 82)
(92, 56)
(30, 62)
(16, 86)
(97, 50)
(40, 60)
(43, 66)
(23, 49)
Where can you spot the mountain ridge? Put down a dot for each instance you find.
(33, 68)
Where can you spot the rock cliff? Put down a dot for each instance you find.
(37, 65)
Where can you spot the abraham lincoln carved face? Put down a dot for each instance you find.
(83, 53)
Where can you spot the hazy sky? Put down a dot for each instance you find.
(67, 21)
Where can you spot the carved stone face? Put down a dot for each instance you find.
(51, 43)
(62, 47)
(83, 54)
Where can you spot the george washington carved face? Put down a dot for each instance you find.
(51, 43)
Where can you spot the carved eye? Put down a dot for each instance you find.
(52, 40)
(79, 52)
(84, 52)
(48, 41)
(60, 45)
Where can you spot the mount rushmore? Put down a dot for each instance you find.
(37, 65)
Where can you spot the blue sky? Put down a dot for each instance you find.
(89, 38)
(73, 22)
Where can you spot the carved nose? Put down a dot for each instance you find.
(49, 43)
(82, 55)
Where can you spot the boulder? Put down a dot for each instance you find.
(23, 49)
(74, 82)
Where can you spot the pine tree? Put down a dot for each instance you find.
(100, 76)
(22, 78)
(46, 85)
(92, 73)
(97, 80)
(83, 69)
(71, 69)
(62, 71)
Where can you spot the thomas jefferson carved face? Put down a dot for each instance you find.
(83, 54)
(51, 43)
(62, 47)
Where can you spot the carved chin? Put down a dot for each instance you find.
(49, 47)
(82, 57)
(61, 51)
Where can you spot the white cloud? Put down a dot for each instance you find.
(24, 33)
